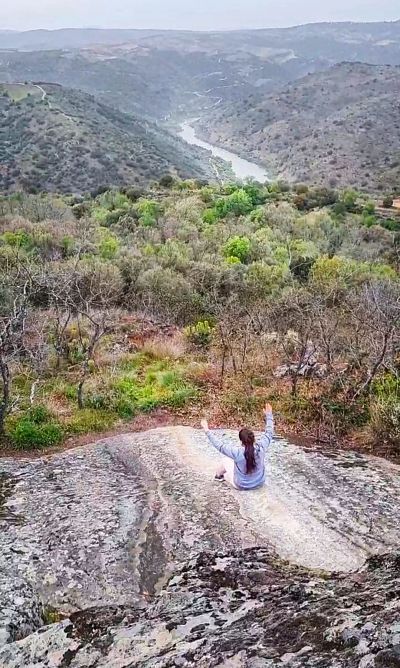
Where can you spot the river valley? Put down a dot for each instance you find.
(243, 169)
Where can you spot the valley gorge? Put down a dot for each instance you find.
(194, 225)
(243, 88)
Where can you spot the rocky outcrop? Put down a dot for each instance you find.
(239, 610)
(147, 561)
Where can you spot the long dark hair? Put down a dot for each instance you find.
(247, 438)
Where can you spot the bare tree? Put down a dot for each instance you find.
(36, 348)
(92, 327)
(82, 296)
(293, 318)
(12, 325)
(374, 311)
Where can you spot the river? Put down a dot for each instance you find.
(243, 169)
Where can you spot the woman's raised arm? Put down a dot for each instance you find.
(227, 449)
(268, 434)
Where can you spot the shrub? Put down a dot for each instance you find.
(238, 203)
(148, 211)
(245, 406)
(301, 189)
(109, 246)
(39, 414)
(369, 208)
(17, 239)
(238, 247)
(124, 408)
(387, 202)
(385, 422)
(210, 216)
(167, 181)
(29, 435)
(200, 334)
(36, 428)
(349, 200)
(233, 260)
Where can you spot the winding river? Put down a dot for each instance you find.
(243, 169)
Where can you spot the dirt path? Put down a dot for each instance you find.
(44, 94)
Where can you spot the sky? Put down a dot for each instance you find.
(188, 14)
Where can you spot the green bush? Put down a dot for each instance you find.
(89, 419)
(124, 408)
(210, 216)
(109, 246)
(39, 414)
(18, 239)
(200, 334)
(343, 415)
(36, 428)
(238, 247)
(148, 211)
(29, 435)
(369, 208)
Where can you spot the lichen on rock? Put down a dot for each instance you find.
(143, 560)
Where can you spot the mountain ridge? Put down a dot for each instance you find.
(179, 74)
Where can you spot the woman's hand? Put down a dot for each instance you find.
(204, 424)
(267, 409)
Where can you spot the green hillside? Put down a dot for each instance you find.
(56, 139)
(329, 127)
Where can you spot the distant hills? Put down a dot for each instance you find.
(314, 102)
(164, 74)
(373, 42)
(338, 127)
(160, 82)
(58, 139)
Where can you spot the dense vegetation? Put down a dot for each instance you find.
(62, 140)
(188, 294)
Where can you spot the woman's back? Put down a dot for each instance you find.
(256, 477)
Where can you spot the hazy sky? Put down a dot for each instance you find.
(192, 14)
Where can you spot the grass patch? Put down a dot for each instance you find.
(89, 420)
(139, 383)
(18, 92)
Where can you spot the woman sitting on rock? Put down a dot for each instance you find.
(248, 457)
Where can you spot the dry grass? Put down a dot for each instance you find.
(58, 405)
(165, 347)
